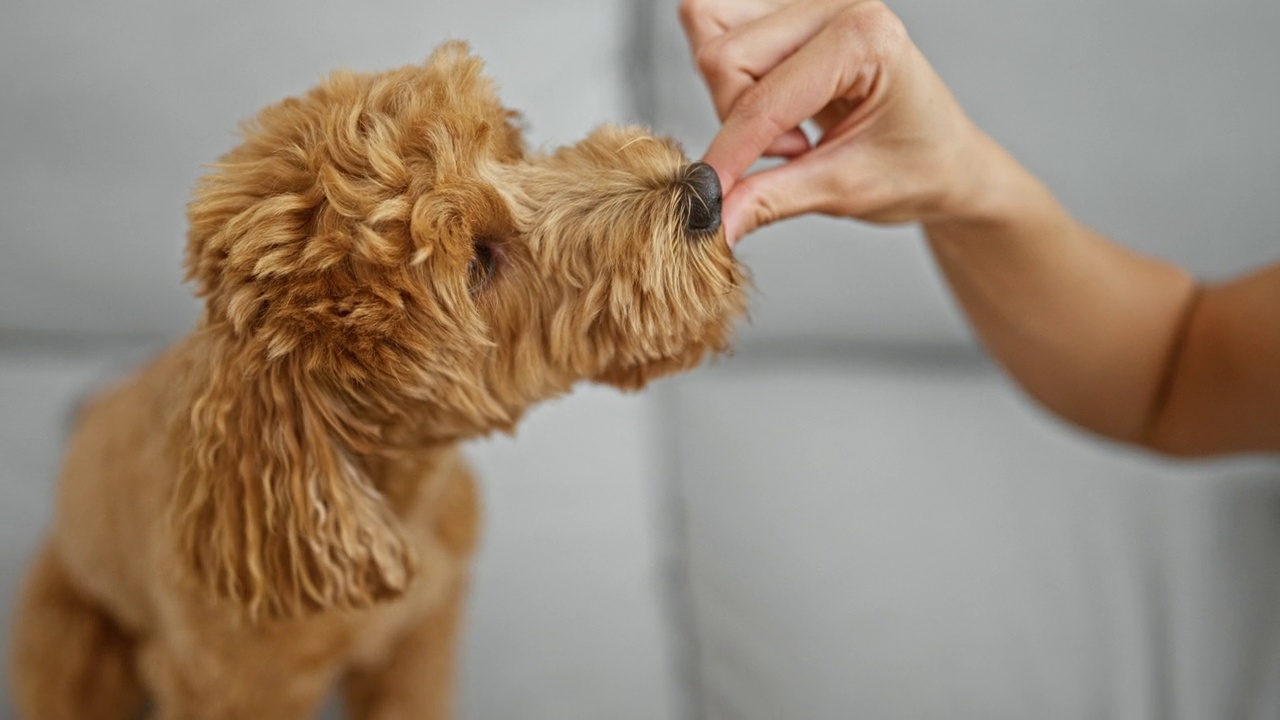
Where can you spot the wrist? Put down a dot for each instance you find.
(989, 188)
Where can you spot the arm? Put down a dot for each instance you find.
(1118, 343)
(1224, 390)
(1121, 344)
(1086, 327)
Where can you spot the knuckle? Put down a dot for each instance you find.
(713, 58)
(716, 62)
(873, 25)
(753, 115)
(887, 27)
(691, 11)
(764, 211)
(847, 27)
(761, 209)
(753, 104)
(688, 10)
(692, 8)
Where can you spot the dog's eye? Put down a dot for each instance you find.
(481, 268)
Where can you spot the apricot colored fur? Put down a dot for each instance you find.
(278, 501)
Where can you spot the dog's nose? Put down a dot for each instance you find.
(701, 199)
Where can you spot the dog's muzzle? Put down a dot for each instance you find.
(701, 199)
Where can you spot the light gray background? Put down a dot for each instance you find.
(855, 516)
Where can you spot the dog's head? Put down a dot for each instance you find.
(385, 265)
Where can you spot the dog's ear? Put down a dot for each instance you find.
(270, 510)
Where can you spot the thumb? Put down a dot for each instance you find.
(796, 187)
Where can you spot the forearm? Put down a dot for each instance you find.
(1086, 327)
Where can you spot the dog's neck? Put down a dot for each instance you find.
(403, 477)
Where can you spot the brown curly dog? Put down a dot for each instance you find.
(278, 501)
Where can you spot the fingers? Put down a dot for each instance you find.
(772, 64)
(794, 188)
(838, 78)
(789, 144)
(734, 59)
(703, 20)
(735, 41)
(835, 63)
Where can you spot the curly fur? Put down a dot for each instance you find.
(278, 500)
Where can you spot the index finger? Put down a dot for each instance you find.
(838, 62)
(704, 20)
(734, 60)
(789, 94)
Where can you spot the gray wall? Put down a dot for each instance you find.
(110, 110)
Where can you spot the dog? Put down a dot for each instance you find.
(278, 501)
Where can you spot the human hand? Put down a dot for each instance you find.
(895, 145)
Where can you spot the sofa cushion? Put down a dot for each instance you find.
(889, 537)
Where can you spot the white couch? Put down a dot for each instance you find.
(856, 515)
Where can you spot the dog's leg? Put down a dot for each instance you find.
(70, 661)
(416, 680)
